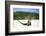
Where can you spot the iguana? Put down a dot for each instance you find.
(28, 23)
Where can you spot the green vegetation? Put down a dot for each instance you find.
(18, 15)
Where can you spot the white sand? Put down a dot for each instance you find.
(18, 27)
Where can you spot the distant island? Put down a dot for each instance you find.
(21, 15)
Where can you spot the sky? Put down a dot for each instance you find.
(33, 10)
